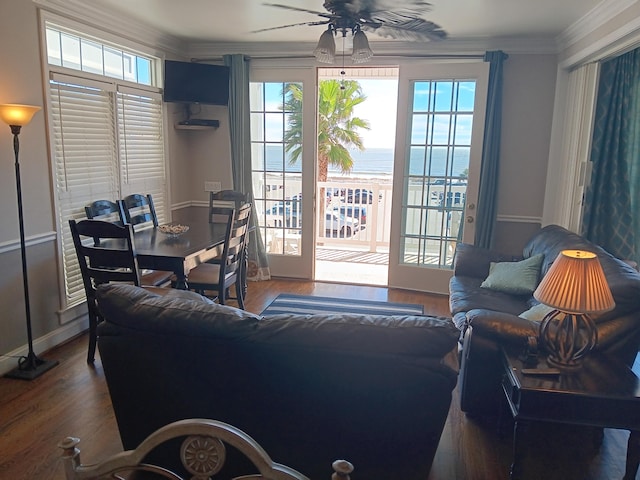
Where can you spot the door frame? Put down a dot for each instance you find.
(420, 277)
(299, 266)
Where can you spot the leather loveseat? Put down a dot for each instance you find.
(309, 389)
(488, 318)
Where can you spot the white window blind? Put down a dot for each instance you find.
(85, 163)
(106, 146)
(141, 144)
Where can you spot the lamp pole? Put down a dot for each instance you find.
(29, 366)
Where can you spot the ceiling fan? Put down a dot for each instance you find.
(397, 19)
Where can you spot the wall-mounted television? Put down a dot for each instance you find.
(196, 83)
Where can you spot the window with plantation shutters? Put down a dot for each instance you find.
(86, 166)
(107, 143)
(141, 146)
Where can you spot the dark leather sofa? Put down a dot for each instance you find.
(488, 318)
(309, 389)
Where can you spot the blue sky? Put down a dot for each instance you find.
(380, 110)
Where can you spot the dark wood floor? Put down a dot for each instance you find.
(72, 399)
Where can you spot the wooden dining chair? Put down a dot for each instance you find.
(100, 264)
(104, 210)
(227, 271)
(236, 199)
(138, 210)
(202, 447)
(227, 198)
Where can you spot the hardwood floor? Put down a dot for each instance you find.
(72, 399)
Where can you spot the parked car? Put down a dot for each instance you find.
(359, 195)
(355, 211)
(340, 224)
(284, 215)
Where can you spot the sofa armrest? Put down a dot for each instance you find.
(472, 261)
(501, 327)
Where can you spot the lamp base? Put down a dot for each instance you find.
(565, 366)
(568, 338)
(31, 367)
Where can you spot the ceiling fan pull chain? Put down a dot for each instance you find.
(342, 72)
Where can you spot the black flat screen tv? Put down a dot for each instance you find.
(187, 82)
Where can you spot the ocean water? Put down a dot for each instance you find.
(379, 161)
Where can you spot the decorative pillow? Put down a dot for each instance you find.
(516, 278)
(537, 312)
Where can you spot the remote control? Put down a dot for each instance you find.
(540, 371)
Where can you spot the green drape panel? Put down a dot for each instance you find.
(240, 132)
(488, 193)
(612, 196)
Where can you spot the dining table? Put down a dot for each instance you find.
(203, 241)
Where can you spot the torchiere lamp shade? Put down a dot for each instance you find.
(18, 115)
(576, 283)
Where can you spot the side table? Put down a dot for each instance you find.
(603, 393)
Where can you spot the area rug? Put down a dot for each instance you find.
(308, 304)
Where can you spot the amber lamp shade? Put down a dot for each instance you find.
(576, 287)
(18, 115)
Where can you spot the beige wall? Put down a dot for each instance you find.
(528, 99)
(198, 156)
(21, 82)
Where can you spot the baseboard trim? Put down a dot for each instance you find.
(9, 361)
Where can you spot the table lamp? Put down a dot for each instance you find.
(29, 366)
(575, 287)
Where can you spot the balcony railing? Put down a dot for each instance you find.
(357, 215)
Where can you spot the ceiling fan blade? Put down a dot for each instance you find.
(324, 22)
(297, 9)
(412, 30)
(367, 9)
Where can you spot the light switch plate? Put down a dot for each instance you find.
(212, 186)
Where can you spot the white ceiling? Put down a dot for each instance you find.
(234, 20)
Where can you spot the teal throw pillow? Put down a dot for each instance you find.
(516, 278)
(537, 312)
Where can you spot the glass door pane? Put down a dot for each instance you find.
(282, 113)
(441, 117)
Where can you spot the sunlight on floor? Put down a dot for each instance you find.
(349, 272)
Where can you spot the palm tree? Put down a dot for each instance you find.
(338, 129)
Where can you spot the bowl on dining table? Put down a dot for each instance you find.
(173, 230)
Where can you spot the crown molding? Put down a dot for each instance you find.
(615, 43)
(457, 46)
(114, 23)
(599, 15)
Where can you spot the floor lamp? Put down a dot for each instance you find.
(30, 366)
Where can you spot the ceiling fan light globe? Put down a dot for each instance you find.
(325, 51)
(361, 51)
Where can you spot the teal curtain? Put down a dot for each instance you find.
(240, 132)
(612, 196)
(488, 193)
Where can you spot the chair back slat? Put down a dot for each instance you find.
(104, 210)
(227, 198)
(138, 210)
(233, 256)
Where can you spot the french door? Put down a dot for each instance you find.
(283, 146)
(439, 133)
